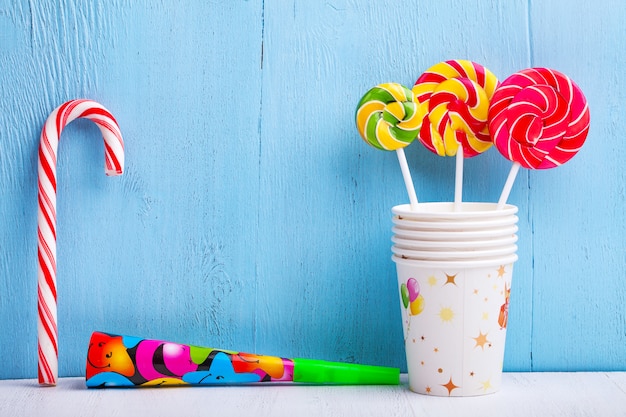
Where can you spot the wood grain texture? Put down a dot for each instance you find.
(251, 216)
(522, 394)
(576, 267)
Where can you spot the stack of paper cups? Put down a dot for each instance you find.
(454, 278)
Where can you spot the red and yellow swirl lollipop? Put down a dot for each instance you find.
(539, 119)
(387, 119)
(454, 99)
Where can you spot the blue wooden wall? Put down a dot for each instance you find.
(251, 216)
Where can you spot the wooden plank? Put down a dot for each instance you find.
(251, 216)
(523, 394)
(328, 287)
(166, 250)
(579, 239)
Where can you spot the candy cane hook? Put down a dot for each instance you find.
(46, 218)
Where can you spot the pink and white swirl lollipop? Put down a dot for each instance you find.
(539, 119)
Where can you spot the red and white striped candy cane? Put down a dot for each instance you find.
(46, 219)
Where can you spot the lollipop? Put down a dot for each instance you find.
(454, 101)
(387, 119)
(539, 119)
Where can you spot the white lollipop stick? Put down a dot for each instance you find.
(458, 180)
(508, 185)
(408, 182)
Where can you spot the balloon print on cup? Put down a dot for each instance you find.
(412, 300)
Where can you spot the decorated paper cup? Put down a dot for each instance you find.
(456, 245)
(448, 236)
(444, 211)
(456, 225)
(454, 316)
(451, 255)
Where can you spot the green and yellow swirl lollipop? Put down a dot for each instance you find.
(387, 119)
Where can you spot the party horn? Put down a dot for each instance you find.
(125, 361)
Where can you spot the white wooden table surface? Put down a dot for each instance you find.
(522, 394)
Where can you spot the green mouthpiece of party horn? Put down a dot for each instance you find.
(323, 372)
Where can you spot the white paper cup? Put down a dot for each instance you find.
(452, 255)
(445, 211)
(487, 223)
(454, 317)
(445, 235)
(456, 245)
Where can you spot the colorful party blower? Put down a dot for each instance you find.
(123, 361)
(386, 118)
(454, 101)
(539, 119)
(46, 219)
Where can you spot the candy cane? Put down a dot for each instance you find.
(46, 219)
